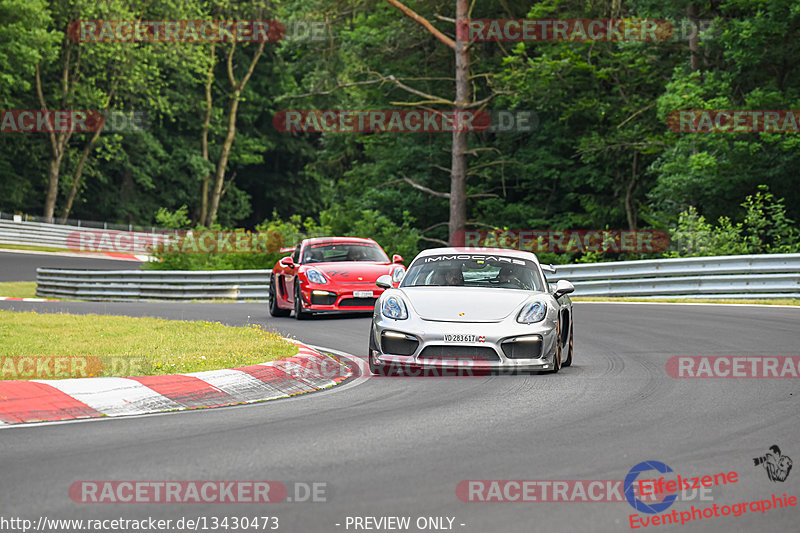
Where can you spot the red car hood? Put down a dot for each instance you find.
(353, 272)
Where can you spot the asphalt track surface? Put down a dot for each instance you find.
(15, 266)
(400, 446)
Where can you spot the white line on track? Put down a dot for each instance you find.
(760, 306)
(139, 258)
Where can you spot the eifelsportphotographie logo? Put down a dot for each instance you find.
(776, 464)
(630, 481)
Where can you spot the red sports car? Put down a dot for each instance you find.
(330, 274)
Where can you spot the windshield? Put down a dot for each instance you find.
(350, 251)
(473, 271)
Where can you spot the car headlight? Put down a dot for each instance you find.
(532, 312)
(397, 275)
(393, 307)
(315, 276)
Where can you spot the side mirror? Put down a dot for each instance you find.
(287, 262)
(397, 259)
(384, 282)
(563, 287)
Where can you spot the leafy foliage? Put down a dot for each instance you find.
(599, 154)
(765, 229)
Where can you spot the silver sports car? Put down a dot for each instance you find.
(454, 309)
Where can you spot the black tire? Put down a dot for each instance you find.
(557, 354)
(374, 368)
(568, 362)
(274, 310)
(299, 312)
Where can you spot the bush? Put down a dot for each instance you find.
(281, 233)
(764, 230)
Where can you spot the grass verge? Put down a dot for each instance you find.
(18, 289)
(52, 346)
(31, 248)
(764, 301)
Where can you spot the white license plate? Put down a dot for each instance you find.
(461, 338)
(362, 294)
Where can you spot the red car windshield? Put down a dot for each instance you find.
(335, 252)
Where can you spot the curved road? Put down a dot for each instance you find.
(400, 446)
(21, 266)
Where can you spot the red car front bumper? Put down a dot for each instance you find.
(354, 297)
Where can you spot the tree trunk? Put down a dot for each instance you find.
(52, 183)
(204, 139)
(693, 36)
(458, 167)
(219, 177)
(238, 87)
(76, 179)
(58, 141)
(629, 209)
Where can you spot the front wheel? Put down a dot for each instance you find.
(557, 354)
(374, 368)
(568, 362)
(299, 312)
(274, 310)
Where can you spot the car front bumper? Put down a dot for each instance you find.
(508, 345)
(320, 298)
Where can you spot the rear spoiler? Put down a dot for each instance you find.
(548, 268)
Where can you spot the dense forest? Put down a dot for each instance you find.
(199, 143)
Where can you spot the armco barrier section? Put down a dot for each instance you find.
(738, 276)
(55, 235)
(729, 276)
(176, 285)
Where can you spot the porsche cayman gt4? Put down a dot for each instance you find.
(331, 274)
(492, 309)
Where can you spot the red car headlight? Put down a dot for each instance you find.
(315, 276)
(397, 275)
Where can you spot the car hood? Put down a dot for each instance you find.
(350, 272)
(460, 304)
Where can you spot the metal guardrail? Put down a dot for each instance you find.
(730, 276)
(56, 235)
(76, 222)
(739, 276)
(176, 285)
